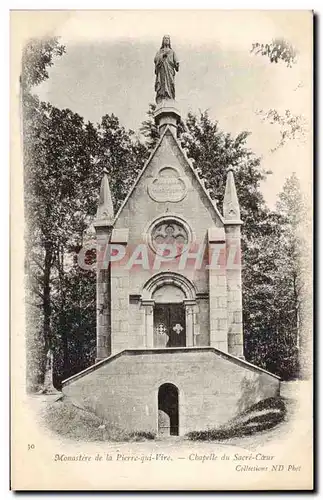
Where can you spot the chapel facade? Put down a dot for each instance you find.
(177, 259)
(170, 356)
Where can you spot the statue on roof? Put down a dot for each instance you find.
(166, 64)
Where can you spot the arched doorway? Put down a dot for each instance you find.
(169, 300)
(168, 411)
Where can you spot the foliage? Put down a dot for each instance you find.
(60, 194)
(275, 288)
(149, 129)
(296, 251)
(269, 315)
(121, 153)
(281, 289)
(37, 56)
(213, 152)
(63, 162)
(277, 50)
(64, 159)
(291, 126)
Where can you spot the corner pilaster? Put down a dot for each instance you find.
(103, 227)
(232, 224)
(217, 289)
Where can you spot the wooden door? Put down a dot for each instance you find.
(169, 325)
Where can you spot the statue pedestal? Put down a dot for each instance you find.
(167, 113)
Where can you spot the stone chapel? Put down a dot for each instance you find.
(170, 355)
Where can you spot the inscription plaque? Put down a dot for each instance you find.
(168, 185)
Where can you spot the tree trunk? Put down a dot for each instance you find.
(48, 387)
(46, 294)
(62, 312)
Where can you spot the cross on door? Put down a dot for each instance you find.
(161, 329)
(178, 328)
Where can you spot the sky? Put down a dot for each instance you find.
(108, 68)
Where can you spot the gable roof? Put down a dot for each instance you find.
(184, 156)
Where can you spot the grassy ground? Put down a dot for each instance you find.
(72, 422)
(265, 418)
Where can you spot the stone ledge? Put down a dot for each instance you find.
(168, 350)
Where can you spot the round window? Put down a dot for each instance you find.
(169, 236)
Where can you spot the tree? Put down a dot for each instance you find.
(278, 292)
(62, 175)
(295, 246)
(277, 50)
(38, 55)
(270, 335)
(149, 129)
(60, 194)
(63, 162)
(292, 126)
(213, 152)
(112, 147)
(122, 154)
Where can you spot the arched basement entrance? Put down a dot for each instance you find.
(169, 300)
(168, 411)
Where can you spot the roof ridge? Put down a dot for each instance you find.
(198, 178)
(168, 128)
(140, 175)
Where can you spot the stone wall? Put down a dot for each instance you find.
(137, 215)
(213, 387)
(218, 319)
(203, 336)
(120, 309)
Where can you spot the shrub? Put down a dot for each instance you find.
(262, 416)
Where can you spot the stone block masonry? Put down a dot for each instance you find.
(213, 387)
(234, 293)
(103, 298)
